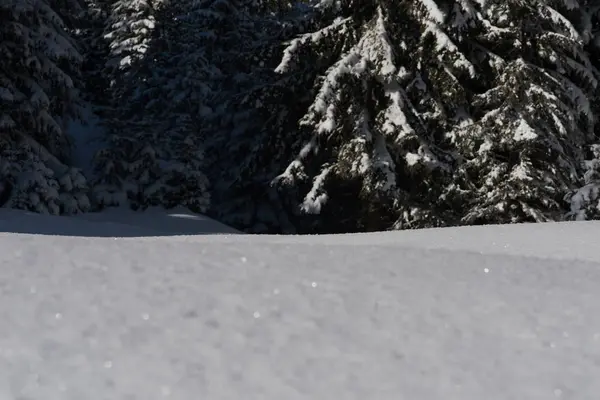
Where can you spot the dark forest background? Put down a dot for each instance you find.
(316, 117)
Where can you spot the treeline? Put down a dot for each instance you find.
(329, 116)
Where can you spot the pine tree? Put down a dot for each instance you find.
(154, 155)
(96, 51)
(429, 112)
(523, 150)
(39, 71)
(242, 155)
(70, 12)
(584, 201)
(365, 151)
(127, 28)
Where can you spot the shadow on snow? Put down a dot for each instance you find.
(117, 222)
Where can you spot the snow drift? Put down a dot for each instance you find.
(503, 312)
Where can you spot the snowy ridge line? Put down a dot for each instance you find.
(534, 240)
(574, 241)
(241, 240)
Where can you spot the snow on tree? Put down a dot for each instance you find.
(523, 150)
(585, 200)
(154, 154)
(40, 183)
(39, 67)
(127, 28)
(95, 49)
(367, 150)
(243, 155)
(429, 112)
(130, 26)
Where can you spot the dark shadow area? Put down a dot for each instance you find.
(114, 222)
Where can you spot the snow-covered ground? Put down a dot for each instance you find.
(503, 312)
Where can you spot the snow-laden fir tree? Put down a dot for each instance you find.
(115, 38)
(39, 68)
(129, 30)
(116, 42)
(37, 181)
(154, 154)
(585, 200)
(243, 155)
(70, 12)
(433, 112)
(368, 151)
(522, 149)
(95, 49)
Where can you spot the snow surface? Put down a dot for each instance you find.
(502, 312)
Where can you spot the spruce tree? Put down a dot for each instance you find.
(96, 50)
(154, 154)
(251, 96)
(127, 28)
(429, 112)
(39, 72)
(363, 133)
(584, 201)
(523, 150)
